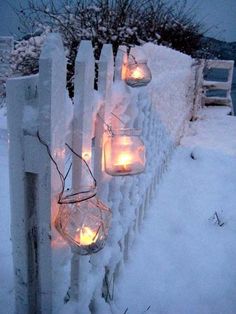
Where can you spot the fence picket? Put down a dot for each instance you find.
(21, 213)
(105, 80)
(82, 134)
(37, 104)
(52, 98)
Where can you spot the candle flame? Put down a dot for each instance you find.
(137, 73)
(123, 162)
(86, 236)
(124, 159)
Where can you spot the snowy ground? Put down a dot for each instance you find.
(183, 261)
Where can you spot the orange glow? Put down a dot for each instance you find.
(123, 71)
(58, 243)
(124, 67)
(125, 140)
(86, 236)
(123, 162)
(59, 153)
(124, 159)
(86, 155)
(137, 74)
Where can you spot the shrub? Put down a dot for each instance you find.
(121, 22)
(24, 58)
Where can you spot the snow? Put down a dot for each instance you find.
(171, 86)
(212, 132)
(183, 261)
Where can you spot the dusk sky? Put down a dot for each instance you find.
(220, 15)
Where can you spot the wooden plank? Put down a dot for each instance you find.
(52, 92)
(217, 100)
(219, 64)
(212, 85)
(105, 81)
(83, 130)
(20, 94)
(198, 89)
(82, 135)
(36, 103)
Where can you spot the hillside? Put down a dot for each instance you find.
(213, 48)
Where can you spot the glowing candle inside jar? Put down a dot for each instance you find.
(137, 73)
(123, 162)
(86, 236)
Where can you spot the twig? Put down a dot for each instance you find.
(218, 220)
(147, 309)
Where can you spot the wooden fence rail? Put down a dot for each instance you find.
(222, 84)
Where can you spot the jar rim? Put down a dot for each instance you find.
(126, 131)
(133, 62)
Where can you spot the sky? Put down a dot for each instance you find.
(218, 15)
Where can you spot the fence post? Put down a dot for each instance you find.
(83, 109)
(52, 99)
(198, 88)
(82, 135)
(105, 81)
(21, 93)
(36, 104)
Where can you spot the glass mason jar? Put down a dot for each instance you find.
(124, 153)
(137, 73)
(84, 225)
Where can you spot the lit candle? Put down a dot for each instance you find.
(123, 163)
(137, 74)
(86, 236)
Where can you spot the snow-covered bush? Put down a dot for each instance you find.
(25, 57)
(5, 69)
(120, 22)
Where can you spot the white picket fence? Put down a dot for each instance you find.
(39, 103)
(225, 85)
(203, 86)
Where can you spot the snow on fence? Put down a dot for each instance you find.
(49, 278)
